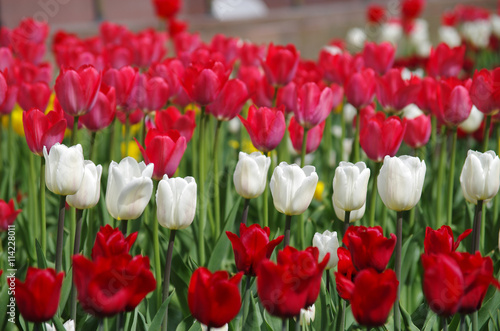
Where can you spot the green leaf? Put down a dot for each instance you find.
(419, 316)
(158, 319)
(406, 319)
(65, 290)
(490, 308)
(253, 320)
(272, 323)
(42, 262)
(186, 324)
(430, 321)
(57, 323)
(4, 300)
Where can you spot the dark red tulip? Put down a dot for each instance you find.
(453, 104)
(28, 40)
(287, 96)
(380, 136)
(314, 105)
(346, 273)
(122, 80)
(203, 84)
(279, 295)
(338, 67)
(252, 247)
(266, 127)
(411, 9)
(103, 112)
(379, 57)
(8, 214)
(167, 8)
(484, 91)
(359, 88)
(172, 119)
(228, 103)
(170, 70)
(281, 64)
(375, 14)
(441, 241)
(394, 93)
(418, 131)
(314, 136)
(38, 296)
(165, 150)
(368, 247)
(43, 130)
(33, 95)
(445, 61)
(214, 298)
(110, 242)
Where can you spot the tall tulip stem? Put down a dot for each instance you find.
(12, 159)
(373, 194)
(297, 323)
(304, 148)
(43, 218)
(76, 250)
(486, 138)
(60, 233)
(216, 180)
(74, 133)
(203, 206)
(342, 316)
(347, 216)
(327, 271)
(127, 134)
(440, 178)
(445, 324)
(246, 206)
(288, 224)
(399, 234)
(476, 227)
(342, 134)
(124, 227)
(93, 135)
(168, 268)
(156, 248)
(265, 208)
(451, 177)
(283, 325)
(355, 158)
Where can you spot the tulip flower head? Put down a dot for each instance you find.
(176, 202)
(400, 182)
(353, 216)
(379, 57)
(89, 192)
(314, 105)
(327, 243)
(484, 90)
(314, 136)
(250, 174)
(480, 177)
(350, 185)
(172, 119)
(64, 168)
(110, 243)
(8, 214)
(281, 64)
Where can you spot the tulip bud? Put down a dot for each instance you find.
(64, 168)
(89, 192)
(250, 175)
(293, 188)
(176, 202)
(327, 242)
(353, 217)
(350, 184)
(400, 182)
(129, 188)
(480, 177)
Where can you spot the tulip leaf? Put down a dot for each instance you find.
(4, 300)
(158, 319)
(92, 323)
(430, 321)
(253, 320)
(419, 316)
(406, 320)
(65, 289)
(179, 278)
(219, 252)
(58, 324)
(489, 307)
(40, 258)
(186, 324)
(272, 323)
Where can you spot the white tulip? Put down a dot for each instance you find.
(176, 202)
(480, 177)
(400, 182)
(450, 36)
(350, 184)
(353, 216)
(307, 315)
(89, 192)
(250, 174)
(477, 32)
(327, 242)
(129, 188)
(64, 168)
(495, 25)
(293, 188)
(473, 122)
(222, 328)
(69, 325)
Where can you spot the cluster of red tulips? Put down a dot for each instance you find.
(124, 95)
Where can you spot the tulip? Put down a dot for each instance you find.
(129, 188)
(229, 101)
(176, 202)
(327, 243)
(480, 177)
(394, 93)
(250, 174)
(77, 90)
(293, 188)
(418, 131)
(110, 243)
(164, 150)
(350, 185)
(375, 14)
(283, 298)
(33, 95)
(400, 182)
(204, 84)
(265, 126)
(171, 119)
(250, 54)
(122, 80)
(483, 91)
(252, 247)
(3, 88)
(411, 9)
(155, 92)
(64, 168)
(10, 100)
(346, 273)
(8, 214)
(307, 315)
(359, 88)
(103, 112)
(314, 105)
(445, 61)
(338, 66)
(314, 136)
(38, 296)
(89, 192)
(214, 298)
(379, 57)
(354, 215)
(473, 122)
(441, 241)
(453, 104)
(281, 64)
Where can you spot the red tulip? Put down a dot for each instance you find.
(227, 46)
(443, 283)
(214, 298)
(346, 273)
(484, 91)
(283, 297)
(38, 296)
(252, 247)
(418, 131)
(314, 136)
(441, 241)
(29, 73)
(375, 14)
(314, 105)
(33, 95)
(251, 54)
(157, 92)
(453, 104)
(176, 26)
(170, 70)
(10, 100)
(171, 119)
(43, 130)
(164, 150)
(266, 127)
(148, 46)
(110, 242)
(394, 93)
(287, 96)
(103, 112)
(308, 72)
(411, 9)
(107, 287)
(3, 88)
(445, 61)
(281, 64)
(379, 57)
(167, 8)
(380, 136)
(28, 40)
(368, 247)
(228, 103)
(338, 68)
(133, 118)
(359, 88)
(373, 296)
(122, 80)
(8, 214)
(203, 84)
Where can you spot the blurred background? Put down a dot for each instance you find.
(309, 24)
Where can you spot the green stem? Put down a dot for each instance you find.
(297, 323)
(342, 316)
(288, 224)
(327, 271)
(283, 325)
(355, 148)
(373, 194)
(60, 233)
(216, 180)
(266, 199)
(127, 135)
(43, 223)
(124, 227)
(120, 323)
(347, 216)
(76, 250)
(451, 177)
(202, 209)
(156, 247)
(327, 138)
(246, 297)
(168, 267)
(112, 143)
(445, 324)
(144, 131)
(440, 179)
(33, 201)
(304, 148)
(92, 146)
(399, 238)
(463, 324)
(246, 206)
(74, 133)
(12, 159)
(342, 135)
(476, 227)
(486, 139)
(90, 232)
(475, 323)
(433, 133)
